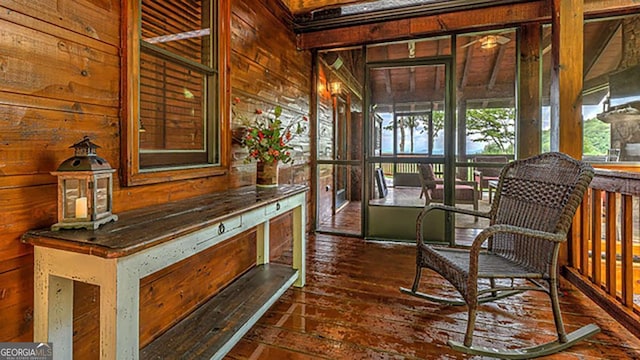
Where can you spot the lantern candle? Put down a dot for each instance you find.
(81, 207)
(84, 185)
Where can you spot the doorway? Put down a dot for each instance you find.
(339, 139)
(408, 132)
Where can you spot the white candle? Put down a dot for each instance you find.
(81, 207)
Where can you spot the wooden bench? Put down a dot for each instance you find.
(144, 241)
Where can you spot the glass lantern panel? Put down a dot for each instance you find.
(74, 191)
(102, 195)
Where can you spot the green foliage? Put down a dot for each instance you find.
(438, 122)
(495, 127)
(494, 149)
(597, 137)
(546, 140)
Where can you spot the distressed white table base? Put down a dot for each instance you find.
(119, 278)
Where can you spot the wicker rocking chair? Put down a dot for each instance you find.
(535, 202)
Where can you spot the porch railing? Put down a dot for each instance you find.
(604, 253)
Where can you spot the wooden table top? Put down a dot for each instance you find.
(140, 229)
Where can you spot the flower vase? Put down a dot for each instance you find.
(267, 174)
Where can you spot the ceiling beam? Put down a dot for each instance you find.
(599, 43)
(595, 84)
(496, 67)
(438, 73)
(387, 75)
(412, 79)
(467, 66)
(387, 81)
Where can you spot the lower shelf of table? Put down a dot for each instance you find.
(216, 326)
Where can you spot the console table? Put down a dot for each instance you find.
(117, 255)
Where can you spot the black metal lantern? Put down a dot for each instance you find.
(85, 187)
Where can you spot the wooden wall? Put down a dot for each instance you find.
(325, 146)
(60, 80)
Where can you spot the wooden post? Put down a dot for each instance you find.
(566, 76)
(529, 122)
(567, 20)
(462, 137)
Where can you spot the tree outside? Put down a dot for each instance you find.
(596, 138)
(495, 130)
(493, 127)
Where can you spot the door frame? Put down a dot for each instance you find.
(341, 151)
(449, 162)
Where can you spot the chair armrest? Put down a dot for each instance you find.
(476, 247)
(446, 208)
(477, 172)
(516, 230)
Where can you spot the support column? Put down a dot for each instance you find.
(462, 137)
(567, 20)
(529, 121)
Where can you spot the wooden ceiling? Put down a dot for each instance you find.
(485, 77)
(306, 6)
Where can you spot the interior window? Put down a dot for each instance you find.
(174, 94)
(177, 79)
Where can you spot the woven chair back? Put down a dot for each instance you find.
(540, 193)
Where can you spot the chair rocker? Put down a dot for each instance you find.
(533, 209)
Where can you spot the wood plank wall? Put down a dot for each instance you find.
(59, 81)
(325, 145)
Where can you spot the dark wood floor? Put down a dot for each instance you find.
(347, 221)
(351, 309)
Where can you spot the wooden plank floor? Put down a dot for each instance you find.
(347, 220)
(351, 309)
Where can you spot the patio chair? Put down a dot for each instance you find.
(530, 216)
(466, 192)
(482, 175)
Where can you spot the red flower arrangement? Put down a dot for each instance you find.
(267, 139)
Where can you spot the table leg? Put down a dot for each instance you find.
(299, 242)
(263, 243)
(53, 307)
(119, 313)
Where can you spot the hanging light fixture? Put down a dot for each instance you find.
(489, 41)
(335, 88)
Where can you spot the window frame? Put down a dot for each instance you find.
(130, 173)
